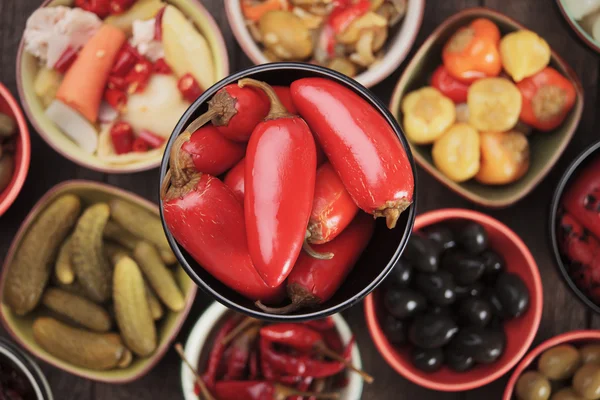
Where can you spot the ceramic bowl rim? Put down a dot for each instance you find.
(220, 51)
(17, 239)
(365, 94)
(383, 70)
(395, 102)
(577, 29)
(387, 350)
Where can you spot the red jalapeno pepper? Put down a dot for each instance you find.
(207, 220)
(158, 24)
(161, 67)
(261, 390)
(151, 139)
(450, 87)
(99, 7)
(140, 146)
(207, 151)
(235, 180)
(280, 171)
(116, 98)
(235, 111)
(121, 135)
(582, 199)
(314, 281)
(66, 59)
(360, 144)
(189, 87)
(216, 354)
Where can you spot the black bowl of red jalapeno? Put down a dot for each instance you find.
(271, 188)
(575, 226)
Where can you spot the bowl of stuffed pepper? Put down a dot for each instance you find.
(487, 106)
(262, 194)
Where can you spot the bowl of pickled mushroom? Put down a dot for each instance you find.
(584, 19)
(487, 106)
(364, 39)
(14, 149)
(565, 367)
(105, 87)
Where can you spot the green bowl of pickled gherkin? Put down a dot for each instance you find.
(90, 284)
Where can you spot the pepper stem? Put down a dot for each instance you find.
(283, 392)
(313, 253)
(326, 351)
(391, 211)
(183, 176)
(391, 217)
(277, 110)
(203, 389)
(279, 310)
(202, 120)
(242, 326)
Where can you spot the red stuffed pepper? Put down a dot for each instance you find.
(360, 144)
(582, 199)
(450, 87)
(281, 165)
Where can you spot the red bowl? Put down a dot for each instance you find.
(569, 337)
(520, 332)
(9, 106)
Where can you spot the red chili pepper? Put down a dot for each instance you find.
(285, 96)
(99, 7)
(281, 165)
(189, 87)
(360, 144)
(577, 243)
(322, 325)
(314, 281)
(582, 199)
(302, 386)
(240, 353)
(116, 98)
(253, 365)
(210, 152)
(161, 67)
(121, 135)
(450, 87)
(140, 145)
(117, 82)
(207, 220)
(151, 139)
(158, 24)
(138, 76)
(125, 61)
(297, 336)
(547, 99)
(66, 59)
(217, 351)
(261, 390)
(235, 180)
(333, 340)
(120, 6)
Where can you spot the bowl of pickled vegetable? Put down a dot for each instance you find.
(364, 39)
(584, 19)
(487, 106)
(565, 367)
(14, 149)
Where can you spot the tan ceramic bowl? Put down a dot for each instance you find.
(545, 148)
(20, 327)
(27, 67)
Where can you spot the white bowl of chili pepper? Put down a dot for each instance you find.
(223, 348)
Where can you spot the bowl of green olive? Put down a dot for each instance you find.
(565, 367)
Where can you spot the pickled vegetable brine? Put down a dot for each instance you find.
(490, 92)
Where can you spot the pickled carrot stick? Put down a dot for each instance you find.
(85, 81)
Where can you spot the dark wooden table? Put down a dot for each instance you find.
(562, 311)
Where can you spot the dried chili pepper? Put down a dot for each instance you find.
(302, 386)
(253, 372)
(300, 365)
(189, 87)
(216, 353)
(140, 146)
(582, 199)
(121, 135)
(238, 359)
(117, 82)
(120, 6)
(158, 24)
(66, 59)
(314, 281)
(125, 61)
(99, 7)
(297, 336)
(360, 144)
(261, 390)
(116, 98)
(321, 325)
(161, 67)
(139, 76)
(151, 139)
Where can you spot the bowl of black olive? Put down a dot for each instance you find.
(565, 367)
(463, 304)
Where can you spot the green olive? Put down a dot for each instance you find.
(559, 362)
(533, 386)
(586, 381)
(343, 66)
(566, 394)
(7, 125)
(590, 353)
(7, 167)
(284, 34)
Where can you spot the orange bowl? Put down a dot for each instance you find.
(574, 337)
(9, 106)
(520, 332)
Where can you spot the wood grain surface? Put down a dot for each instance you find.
(562, 311)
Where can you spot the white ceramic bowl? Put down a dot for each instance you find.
(396, 47)
(206, 323)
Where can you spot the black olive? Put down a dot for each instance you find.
(400, 276)
(427, 360)
(473, 290)
(438, 287)
(394, 330)
(492, 297)
(493, 265)
(441, 236)
(432, 331)
(439, 310)
(458, 361)
(421, 253)
(466, 268)
(513, 294)
(404, 303)
(484, 345)
(472, 237)
(475, 311)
